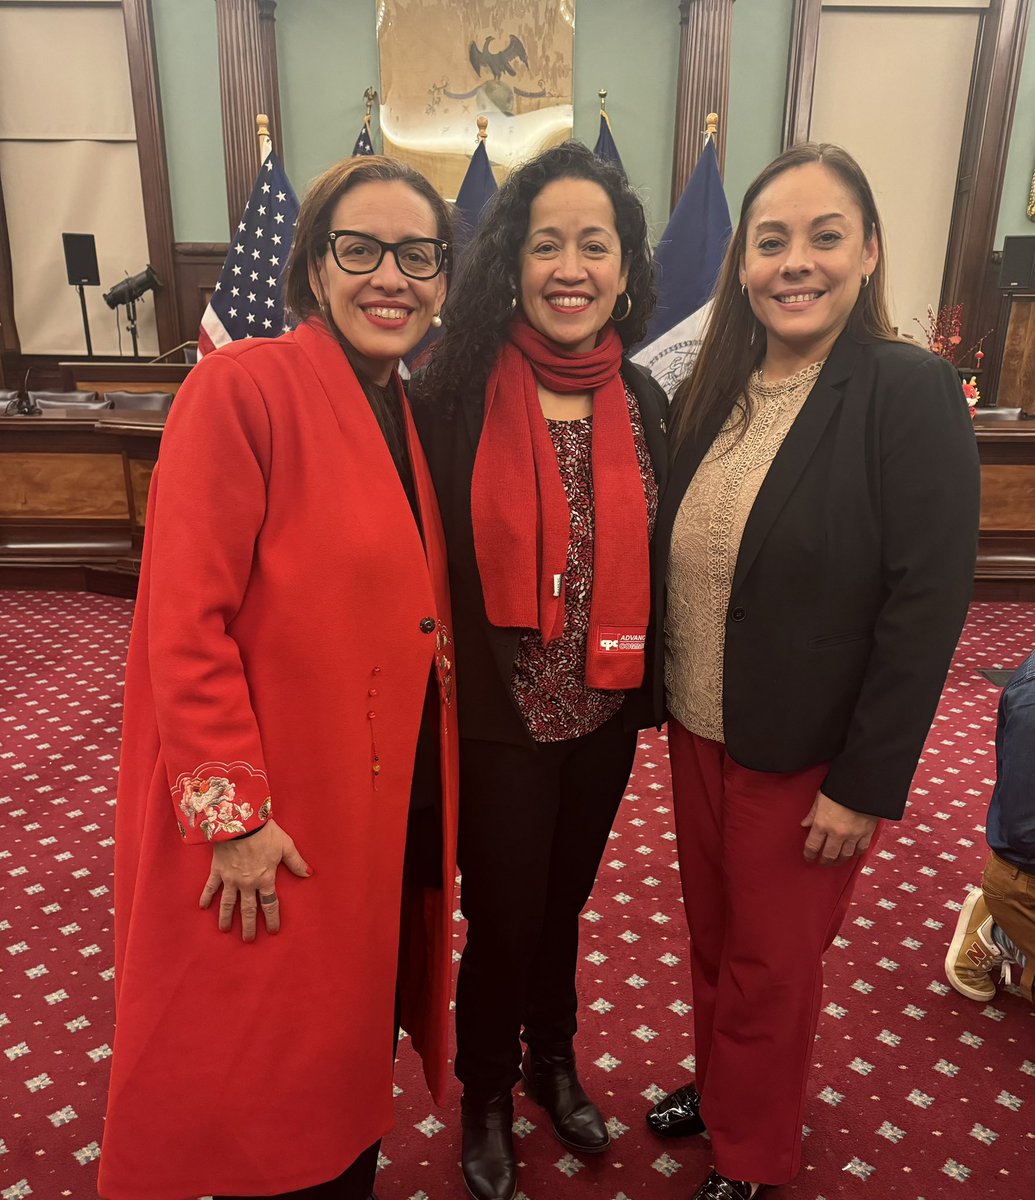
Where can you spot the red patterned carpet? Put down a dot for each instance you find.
(917, 1093)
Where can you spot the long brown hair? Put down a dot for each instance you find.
(735, 340)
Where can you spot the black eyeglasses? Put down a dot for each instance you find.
(360, 254)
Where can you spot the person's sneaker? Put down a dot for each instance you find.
(973, 955)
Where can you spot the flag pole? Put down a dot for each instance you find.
(370, 96)
(483, 128)
(603, 106)
(711, 133)
(262, 123)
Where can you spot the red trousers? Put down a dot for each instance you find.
(760, 920)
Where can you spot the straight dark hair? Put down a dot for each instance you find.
(735, 341)
(314, 219)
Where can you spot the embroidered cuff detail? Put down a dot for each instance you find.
(219, 801)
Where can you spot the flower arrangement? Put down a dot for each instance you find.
(943, 333)
(971, 392)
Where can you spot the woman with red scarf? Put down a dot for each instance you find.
(548, 450)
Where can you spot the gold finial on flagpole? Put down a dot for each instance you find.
(712, 123)
(603, 106)
(370, 96)
(262, 129)
(483, 127)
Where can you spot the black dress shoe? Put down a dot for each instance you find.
(552, 1082)
(678, 1115)
(487, 1157)
(718, 1187)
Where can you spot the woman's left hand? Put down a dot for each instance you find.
(835, 832)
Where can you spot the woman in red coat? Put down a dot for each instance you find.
(289, 746)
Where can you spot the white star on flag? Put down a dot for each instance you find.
(227, 318)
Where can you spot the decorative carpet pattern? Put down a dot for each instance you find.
(916, 1092)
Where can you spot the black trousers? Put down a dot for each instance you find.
(534, 822)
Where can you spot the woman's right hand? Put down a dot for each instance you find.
(246, 870)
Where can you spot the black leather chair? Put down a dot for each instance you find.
(141, 401)
(86, 401)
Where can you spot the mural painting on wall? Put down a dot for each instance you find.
(444, 67)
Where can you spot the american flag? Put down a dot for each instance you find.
(363, 143)
(249, 297)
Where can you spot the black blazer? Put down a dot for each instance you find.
(484, 653)
(853, 576)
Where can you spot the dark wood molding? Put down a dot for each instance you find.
(197, 269)
(154, 167)
(244, 93)
(271, 80)
(10, 346)
(703, 84)
(969, 277)
(801, 71)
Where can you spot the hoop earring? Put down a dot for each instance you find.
(513, 303)
(866, 281)
(744, 289)
(628, 308)
(436, 321)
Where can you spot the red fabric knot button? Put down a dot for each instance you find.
(371, 715)
(376, 671)
(372, 692)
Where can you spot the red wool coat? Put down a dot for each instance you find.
(287, 620)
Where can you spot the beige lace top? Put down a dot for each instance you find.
(705, 543)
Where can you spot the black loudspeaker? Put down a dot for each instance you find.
(81, 259)
(1017, 271)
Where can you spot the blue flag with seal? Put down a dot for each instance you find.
(689, 257)
(605, 148)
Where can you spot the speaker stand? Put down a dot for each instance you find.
(86, 320)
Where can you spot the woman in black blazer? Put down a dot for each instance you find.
(548, 451)
(821, 525)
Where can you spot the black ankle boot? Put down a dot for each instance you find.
(487, 1157)
(551, 1081)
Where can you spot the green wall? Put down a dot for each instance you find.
(188, 79)
(632, 50)
(758, 85)
(326, 59)
(327, 56)
(1013, 220)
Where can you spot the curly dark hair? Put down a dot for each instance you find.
(480, 303)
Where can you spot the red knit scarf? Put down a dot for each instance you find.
(522, 524)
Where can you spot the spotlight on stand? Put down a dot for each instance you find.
(128, 291)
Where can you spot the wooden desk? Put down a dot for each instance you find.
(123, 375)
(73, 495)
(1006, 549)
